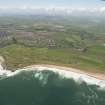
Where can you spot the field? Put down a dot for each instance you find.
(77, 42)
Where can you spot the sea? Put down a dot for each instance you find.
(49, 86)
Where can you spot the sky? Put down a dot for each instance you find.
(52, 3)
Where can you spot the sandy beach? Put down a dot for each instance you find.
(78, 71)
(66, 72)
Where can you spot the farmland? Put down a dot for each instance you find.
(70, 41)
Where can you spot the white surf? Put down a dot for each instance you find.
(78, 77)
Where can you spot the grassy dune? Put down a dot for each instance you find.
(18, 56)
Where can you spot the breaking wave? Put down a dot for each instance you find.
(49, 86)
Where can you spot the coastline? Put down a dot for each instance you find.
(98, 76)
(65, 72)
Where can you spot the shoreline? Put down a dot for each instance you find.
(98, 76)
(66, 72)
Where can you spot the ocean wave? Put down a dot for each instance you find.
(49, 86)
(78, 77)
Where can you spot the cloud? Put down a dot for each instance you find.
(102, 9)
(53, 9)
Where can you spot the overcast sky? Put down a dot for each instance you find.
(52, 3)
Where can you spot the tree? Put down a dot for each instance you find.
(14, 40)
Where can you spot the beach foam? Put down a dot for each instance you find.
(78, 77)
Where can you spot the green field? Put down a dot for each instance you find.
(65, 41)
(19, 56)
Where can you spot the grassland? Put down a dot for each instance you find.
(18, 56)
(66, 41)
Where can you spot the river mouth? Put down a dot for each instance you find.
(47, 87)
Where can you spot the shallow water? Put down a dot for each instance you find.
(47, 88)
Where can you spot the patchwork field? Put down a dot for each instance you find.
(69, 41)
